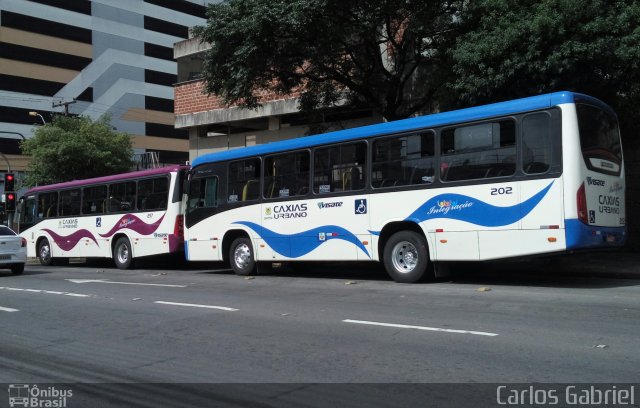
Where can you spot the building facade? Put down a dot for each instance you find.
(94, 57)
(213, 126)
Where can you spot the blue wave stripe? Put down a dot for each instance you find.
(464, 208)
(297, 245)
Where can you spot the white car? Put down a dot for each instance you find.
(13, 250)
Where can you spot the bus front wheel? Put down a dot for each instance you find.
(122, 254)
(241, 257)
(406, 257)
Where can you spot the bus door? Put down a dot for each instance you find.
(204, 197)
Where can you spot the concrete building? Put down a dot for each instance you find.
(212, 126)
(94, 57)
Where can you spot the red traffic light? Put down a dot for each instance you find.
(10, 202)
(9, 182)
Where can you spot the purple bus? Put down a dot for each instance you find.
(125, 216)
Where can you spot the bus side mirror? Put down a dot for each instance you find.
(185, 185)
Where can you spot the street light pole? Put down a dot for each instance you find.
(34, 113)
(2, 154)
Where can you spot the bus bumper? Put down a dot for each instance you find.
(580, 236)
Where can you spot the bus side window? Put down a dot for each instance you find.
(536, 143)
(403, 160)
(339, 168)
(244, 180)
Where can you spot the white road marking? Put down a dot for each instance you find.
(228, 309)
(50, 292)
(406, 326)
(123, 283)
(8, 309)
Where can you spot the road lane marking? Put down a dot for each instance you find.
(406, 326)
(8, 309)
(123, 283)
(228, 309)
(49, 292)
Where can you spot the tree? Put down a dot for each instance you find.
(387, 55)
(72, 148)
(513, 48)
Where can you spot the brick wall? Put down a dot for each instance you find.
(190, 98)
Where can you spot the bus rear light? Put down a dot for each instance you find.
(24, 242)
(552, 239)
(581, 198)
(178, 228)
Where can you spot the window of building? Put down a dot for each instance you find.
(403, 160)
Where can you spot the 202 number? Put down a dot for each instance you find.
(501, 190)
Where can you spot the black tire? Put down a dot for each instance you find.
(241, 257)
(44, 253)
(17, 269)
(406, 257)
(122, 254)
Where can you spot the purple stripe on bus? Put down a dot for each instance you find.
(134, 223)
(70, 241)
(107, 179)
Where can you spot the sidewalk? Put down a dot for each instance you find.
(618, 264)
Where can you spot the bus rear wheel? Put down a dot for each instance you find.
(406, 257)
(241, 257)
(122, 254)
(44, 253)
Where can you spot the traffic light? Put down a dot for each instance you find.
(9, 181)
(10, 201)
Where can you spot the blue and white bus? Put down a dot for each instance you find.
(530, 176)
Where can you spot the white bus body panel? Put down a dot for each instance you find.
(477, 222)
(92, 236)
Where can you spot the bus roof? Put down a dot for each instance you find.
(106, 179)
(422, 122)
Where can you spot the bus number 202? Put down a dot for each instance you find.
(501, 190)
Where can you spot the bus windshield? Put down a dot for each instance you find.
(599, 139)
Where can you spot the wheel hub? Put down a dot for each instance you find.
(242, 255)
(404, 257)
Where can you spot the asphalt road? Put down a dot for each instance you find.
(308, 325)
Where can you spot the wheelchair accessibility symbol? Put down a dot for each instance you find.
(361, 206)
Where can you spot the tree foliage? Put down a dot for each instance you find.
(387, 55)
(72, 148)
(513, 48)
